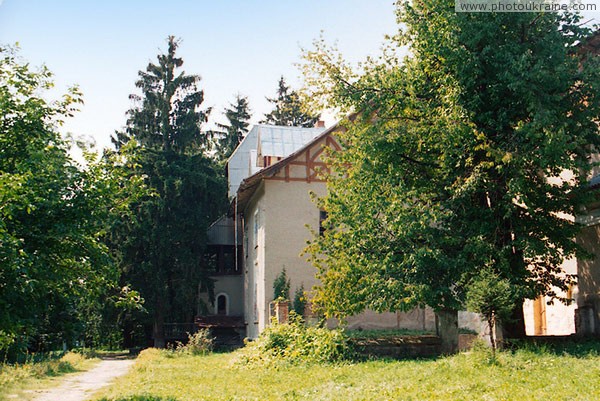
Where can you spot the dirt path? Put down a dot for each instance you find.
(81, 386)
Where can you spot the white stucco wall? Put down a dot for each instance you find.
(231, 286)
(289, 209)
(254, 262)
(559, 318)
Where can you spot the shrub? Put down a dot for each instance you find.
(493, 297)
(294, 343)
(281, 286)
(199, 343)
(299, 304)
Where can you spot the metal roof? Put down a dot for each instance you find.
(282, 141)
(264, 140)
(249, 185)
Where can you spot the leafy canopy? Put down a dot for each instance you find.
(453, 160)
(56, 272)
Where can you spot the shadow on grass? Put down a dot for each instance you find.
(140, 398)
(567, 345)
(59, 369)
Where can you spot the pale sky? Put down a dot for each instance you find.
(235, 46)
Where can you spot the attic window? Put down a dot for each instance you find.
(267, 161)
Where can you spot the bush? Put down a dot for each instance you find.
(199, 343)
(294, 343)
(299, 304)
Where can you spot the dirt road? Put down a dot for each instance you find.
(79, 387)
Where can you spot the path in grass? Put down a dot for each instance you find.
(79, 387)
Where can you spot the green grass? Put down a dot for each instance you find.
(16, 379)
(525, 373)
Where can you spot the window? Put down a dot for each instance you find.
(222, 305)
(220, 259)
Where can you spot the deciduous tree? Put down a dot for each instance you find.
(55, 270)
(452, 164)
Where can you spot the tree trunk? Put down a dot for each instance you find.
(515, 326)
(492, 325)
(448, 330)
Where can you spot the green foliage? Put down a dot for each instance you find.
(451, 162)
(55, 268)
(199, 343)
(299, 303)
(289, 109)
(161, 251)
(238, 117)
(167, 115)
(490, 295)
(493, 297)
(295, 343)
(281, 287)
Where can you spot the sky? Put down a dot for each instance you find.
(235, 46)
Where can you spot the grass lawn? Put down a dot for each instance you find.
(542, 373)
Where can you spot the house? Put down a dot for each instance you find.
(276, 210)
(262, 146)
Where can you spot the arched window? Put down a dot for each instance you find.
(222, 305)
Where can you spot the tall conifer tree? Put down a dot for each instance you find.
(162, 253)
(289, 110)
(238, 116)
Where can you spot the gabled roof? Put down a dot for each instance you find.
(250, 184)
(264, 140)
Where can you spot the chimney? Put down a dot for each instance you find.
(320, 124)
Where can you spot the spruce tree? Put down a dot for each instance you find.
(288, 109)
(162, 252)
(238, 116)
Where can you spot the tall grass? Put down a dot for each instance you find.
(14, 376)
